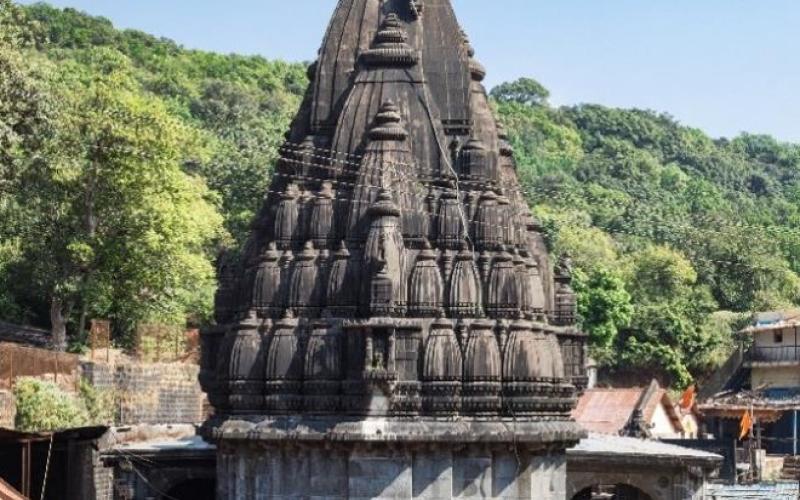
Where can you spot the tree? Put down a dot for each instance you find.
(116, 227)
(525, 91)
(26, 125)
(604, 307)
(670, 310)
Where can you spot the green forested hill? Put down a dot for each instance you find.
(676, 236)
(682, 235)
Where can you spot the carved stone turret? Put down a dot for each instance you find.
(342, 291)
(451, 221)
(321, 230)
(267, 285)
(566, 308)
(305, 286)
(475, 162)
(246, 367)
(287, 218)
(225, 298)
(442, 370)
(503, 288)
(465, 299)
(482, 370)
(384, 258)
(426, 290)
(284, 368)
(323, 369)
(488, 223)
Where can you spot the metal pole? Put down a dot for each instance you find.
(794, 433)
(26, 469)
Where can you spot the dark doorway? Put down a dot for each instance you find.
(609, 492)
(193, 489)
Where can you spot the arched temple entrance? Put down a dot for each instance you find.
(612, 492)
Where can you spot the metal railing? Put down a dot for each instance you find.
(774, 354)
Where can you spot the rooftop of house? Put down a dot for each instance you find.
(767, 404)
(616, 448)
(773, 320)
(610, 410)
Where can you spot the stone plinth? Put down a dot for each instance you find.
(391, 458)
(274, 471)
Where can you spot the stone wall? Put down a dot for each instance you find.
(387, 472)
(151, 393)
(91, 479)
(8, 410)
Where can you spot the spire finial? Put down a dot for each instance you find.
(388, 124)
(390, 47)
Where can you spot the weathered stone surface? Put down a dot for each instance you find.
(401, 288)
(397, 199)
(431, 473)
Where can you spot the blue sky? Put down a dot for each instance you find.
(724, 66)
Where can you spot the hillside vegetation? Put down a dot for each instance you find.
(127, 162)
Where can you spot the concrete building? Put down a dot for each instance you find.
(395, 326)
(762, 377)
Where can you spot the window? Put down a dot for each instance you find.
(777, 337)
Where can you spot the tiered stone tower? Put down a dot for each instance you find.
(394, 326)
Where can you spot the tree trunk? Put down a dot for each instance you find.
(58, 324)
(82, 323)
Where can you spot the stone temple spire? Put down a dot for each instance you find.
(395, 291)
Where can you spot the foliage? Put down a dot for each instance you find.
(525, 91)
(605, 308)
(43, 406)
(673, 233)
(127, 157)
(100, 404)
(244, 103)
(114, 225)
(692, 226)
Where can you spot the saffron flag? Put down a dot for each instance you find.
(746, 425)
(687, 400)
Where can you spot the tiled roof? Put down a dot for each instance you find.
(606, 411)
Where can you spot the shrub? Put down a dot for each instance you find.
(43, 406)
(99, 403)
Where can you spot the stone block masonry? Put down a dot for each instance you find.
(390, 472)
(150, 393)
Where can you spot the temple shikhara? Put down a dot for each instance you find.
(394, 327)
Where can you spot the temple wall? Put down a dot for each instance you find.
(251, 471)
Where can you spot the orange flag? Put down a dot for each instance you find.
(746, 425)
(687, 400)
